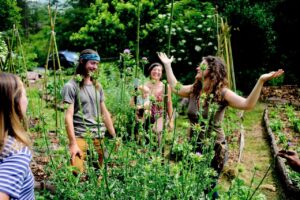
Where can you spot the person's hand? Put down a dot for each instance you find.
(271, 75)
(291, 158)
(75, 151)
(164, 58)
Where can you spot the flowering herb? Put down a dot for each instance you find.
(126, 51)
(78, 78)
(203, 66)
(144, 60)
(178, 86)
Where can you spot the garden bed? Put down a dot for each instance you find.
(286, 94)
(282, 125)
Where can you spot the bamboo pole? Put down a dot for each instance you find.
(170, 27)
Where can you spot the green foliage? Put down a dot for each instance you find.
(292, 117)
(31, 57)
(3, 51)
(69, 21)
(103, 31)
(295, 177)
(15, 61)
(38, 43)
(111, 24)
(256, 13)
(254, 39)
(231, 121)
(9, 14)
(193, 34)
(276, 81)
(285, 124)
(276, 125)
(131, 169)
(296, 125)
(240, 191)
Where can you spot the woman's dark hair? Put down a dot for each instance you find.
(217, 75)
(151, 67)
(81, 69)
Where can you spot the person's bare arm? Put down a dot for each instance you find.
(107, 119)
(248, 103)
(4, 196)
(183, 90)
(73, 146)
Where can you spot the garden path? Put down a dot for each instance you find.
(256, 153)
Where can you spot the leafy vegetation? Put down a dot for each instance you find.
(258, 44)
(170, 172)
(284, 122)
(173, 170)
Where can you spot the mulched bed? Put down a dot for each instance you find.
(286, 94)
(292, 191)
(275, 96)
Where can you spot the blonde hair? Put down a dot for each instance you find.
(12, 120)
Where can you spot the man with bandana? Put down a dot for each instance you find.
(86, 114)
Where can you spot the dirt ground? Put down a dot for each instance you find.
(256, 154)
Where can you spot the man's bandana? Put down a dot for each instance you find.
(90, 57)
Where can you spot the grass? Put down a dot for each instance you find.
(37, 106)
(256, 154)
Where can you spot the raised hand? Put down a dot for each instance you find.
(164, 58)
(271, 75)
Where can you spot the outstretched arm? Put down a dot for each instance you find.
(248, 103)
(183, 91)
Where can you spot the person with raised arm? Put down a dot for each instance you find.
(211, 80)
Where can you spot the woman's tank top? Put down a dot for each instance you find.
(215, 123)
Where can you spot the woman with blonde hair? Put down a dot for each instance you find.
(16, 179)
